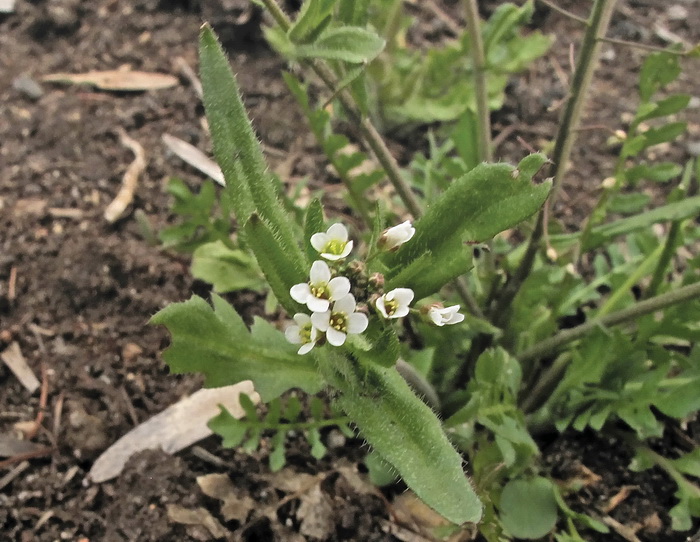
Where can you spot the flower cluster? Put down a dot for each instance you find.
(335, 312)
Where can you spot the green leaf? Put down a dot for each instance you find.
(628, 204)
(667, 106)
(658, 70)
(601, 235)
(280, 270)
(487, 200)
(249, 185)
(528, 508)
(313, 17)
(226, 269)
(663, 134)
(216, 343)
(408, 435)
(229, 428)
(313, 223)
(661, 172)
(347, 43)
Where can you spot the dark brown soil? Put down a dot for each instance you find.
(76, 292)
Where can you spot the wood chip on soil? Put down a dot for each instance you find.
(13, 358)
(177, 427)
(115, 80)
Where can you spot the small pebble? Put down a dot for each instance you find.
(28, 86)
(677, 13)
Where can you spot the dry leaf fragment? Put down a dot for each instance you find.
(177, 427)
(126, 193)
(13, 358)
(616, 499)
(118, 80)
(194, 157)
(196, 516)
(219, 486)
(316, 514)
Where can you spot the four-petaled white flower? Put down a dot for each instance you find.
(340, 320)
(318, 293)
(395, 304)
(303, 333)
(444, 315)
(332, 245)
(392, 238)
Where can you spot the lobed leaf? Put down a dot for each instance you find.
(215, 342)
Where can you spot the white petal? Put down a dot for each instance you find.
(456, 319)
(302, 319)
(403, 296)
(345, 304)
(306, 348)
(346, 250)
(320, 272)
(338, 231)
(292, 334)
(332, 257)
(435, 316)
(339, 287)
(357, 323)
(319, 241)
(381, 307)
(317, 304)
(300, 292)
(335, 337)
(401, 311)
(321, 320)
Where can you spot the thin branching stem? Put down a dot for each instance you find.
(659, 302)
(568, 127)
(479, 64)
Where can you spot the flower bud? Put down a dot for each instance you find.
(392, 238)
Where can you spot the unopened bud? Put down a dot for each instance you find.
(392, 238)
(376, 281)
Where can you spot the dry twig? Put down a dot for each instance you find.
(126, 193)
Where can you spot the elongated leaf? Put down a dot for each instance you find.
(667, 106)
(601, 235)
(280, 270)
(487, 200)
(313, 16)
(313, 223)
(408, 435)
(347, 43)
(216, 343)
(658, 70)
(249, 185)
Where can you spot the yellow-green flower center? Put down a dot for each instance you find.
(335, 247)
(390, 306)
(305, 333)
(320, 290)
(339, 321)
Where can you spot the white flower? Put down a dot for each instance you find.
(393, 238)
(395, 304)
(444, 315)
(318, 293)
(340, 320)
(303, 333)
(332, 245)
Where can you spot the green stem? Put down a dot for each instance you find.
(585, 66)
(479, 63)
(669, 250)
(659, 302)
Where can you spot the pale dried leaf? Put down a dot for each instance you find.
(316, 514)
(13, 358)
(177, 427)
(194, 157)
(219, 486)
(197, 516)
(118, 80)
(289, 481)
(11, 446)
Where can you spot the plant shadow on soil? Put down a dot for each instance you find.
(76, 292)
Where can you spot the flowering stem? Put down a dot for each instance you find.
(375, 142)
(585, 66)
